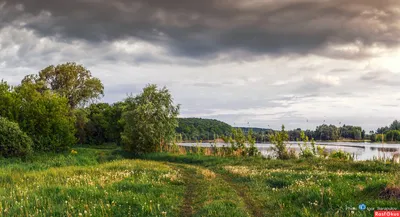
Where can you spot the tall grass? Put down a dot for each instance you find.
(91, 182)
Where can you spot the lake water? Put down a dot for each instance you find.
(361, 151)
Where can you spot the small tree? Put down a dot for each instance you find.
(239, 140)
(252, 150)
(306, 151)
(279, 140)
(150, 120)
(241, 144)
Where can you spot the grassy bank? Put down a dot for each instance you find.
(103, 181)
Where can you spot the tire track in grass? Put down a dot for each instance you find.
(251, 205)
(192, 182)
(189, 179)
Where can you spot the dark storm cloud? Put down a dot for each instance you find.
(207, 28)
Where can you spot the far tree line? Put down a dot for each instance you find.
(198, 129)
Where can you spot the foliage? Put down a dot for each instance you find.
(238, 141)
(251, 149)
(322, 152)
(242, 144)
(150, 120)
(382, 130)
(115, 125)
(395, 125)
(70, 80)
(81, 116)
(307, 151)
(13, 142)
(295, 135)
(44, 116)
(393, 135)
(352, 132)
(193, 129)
(9, 102)
(99, 123)
(340, 154)
(261, 135)
(327, 132)
(379, 138)
(279, 140)
(372, 137)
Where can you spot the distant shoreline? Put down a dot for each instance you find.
(316, 141)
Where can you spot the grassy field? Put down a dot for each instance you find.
(106, 182)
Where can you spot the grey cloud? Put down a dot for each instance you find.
(382, 77)
(206, 29)
(317, 82)
(341, 70)
(309, 68)
(344, 94)
(391, 105)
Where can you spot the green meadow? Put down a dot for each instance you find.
(105, 181)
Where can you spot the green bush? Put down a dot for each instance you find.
(340, 155)
(13, 142)
(307, 151)
(44, 116)
(279, 140)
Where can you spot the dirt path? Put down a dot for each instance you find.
(251, 205)
(189, 178)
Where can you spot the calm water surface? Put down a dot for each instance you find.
(361, 151)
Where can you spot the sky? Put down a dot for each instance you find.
(260, 63)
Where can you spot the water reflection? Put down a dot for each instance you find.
(360, 151)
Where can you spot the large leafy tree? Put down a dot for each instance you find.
(44, 116)
(150, 120)
(71, 81)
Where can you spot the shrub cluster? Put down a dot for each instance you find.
(44, 116)
(13, 142)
